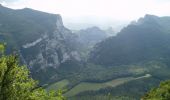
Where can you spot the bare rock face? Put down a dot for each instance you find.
(41, 39)
(52, 49)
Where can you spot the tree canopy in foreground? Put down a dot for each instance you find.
(160, 93)
(16, 83)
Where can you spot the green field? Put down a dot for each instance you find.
(58, 85)
(137, 70)
(86, 86)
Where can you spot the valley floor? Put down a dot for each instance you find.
(87, 86)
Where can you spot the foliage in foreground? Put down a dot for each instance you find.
(160, 93)
(16, 84)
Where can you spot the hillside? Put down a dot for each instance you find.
(40, 39)
(141, 47)
(147, 39)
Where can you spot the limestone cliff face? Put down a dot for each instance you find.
(53, 48)
(41, 39)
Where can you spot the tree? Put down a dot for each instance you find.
(16, 83)
(160, 93)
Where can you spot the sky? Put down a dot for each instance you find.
(95, 12)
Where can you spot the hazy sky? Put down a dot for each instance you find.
(96, 11)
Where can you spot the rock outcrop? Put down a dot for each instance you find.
(40, 38)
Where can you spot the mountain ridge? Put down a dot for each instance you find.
(144, 37)
(40, 38)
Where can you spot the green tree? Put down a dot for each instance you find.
(16, 83)
(160, 93)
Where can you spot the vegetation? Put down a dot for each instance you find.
(58, 85)
(160, 93)
(16, 84)
(148, 39)
(87, 86)
(75, 73)
(132, 90)
(99, 75)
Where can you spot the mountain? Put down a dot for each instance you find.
(125, 65)
(40, 39)
(144, 40)
(91, 35)
(51, 51)
(87, 38)
(139, 51)
(110, 31)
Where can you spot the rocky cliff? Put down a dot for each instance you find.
(40, 38)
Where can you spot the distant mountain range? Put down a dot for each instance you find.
(146, 39)
(88, 38)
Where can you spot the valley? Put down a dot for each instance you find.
(90, 63)
(87, 86)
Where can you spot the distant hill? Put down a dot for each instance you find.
(146, 39)
(91, 35)
(87, 38)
